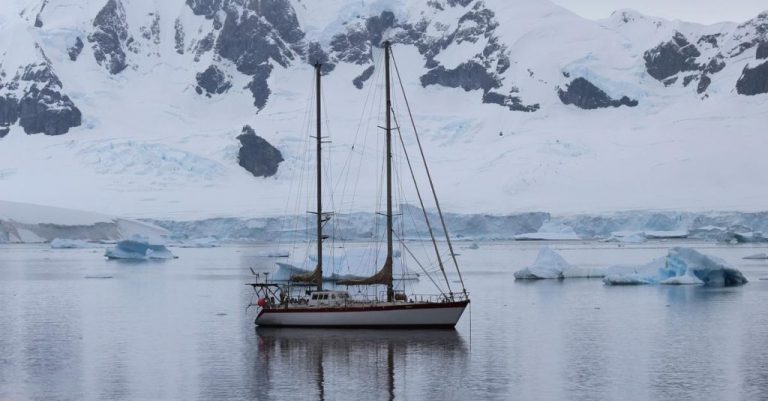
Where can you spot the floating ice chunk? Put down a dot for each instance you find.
(757, 256)
(550, 231)
(273, 254)
(60, 243)
(548, 265)
(666, 234)
(138, 248)
(682, 266)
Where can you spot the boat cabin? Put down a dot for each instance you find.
(321, 298)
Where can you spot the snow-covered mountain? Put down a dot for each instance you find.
(198, 108)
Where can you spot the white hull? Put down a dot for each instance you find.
(398, 315)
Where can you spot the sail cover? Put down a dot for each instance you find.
(383, 276)
(314, 277)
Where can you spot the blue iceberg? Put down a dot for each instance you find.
(681, 266)
(138, 248)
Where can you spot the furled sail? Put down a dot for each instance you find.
(315, 277)
(383, 276)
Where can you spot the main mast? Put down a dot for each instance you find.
(319, 270)
(388, 127)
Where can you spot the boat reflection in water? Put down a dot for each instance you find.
(360, 364)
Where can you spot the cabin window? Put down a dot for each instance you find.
(325, 296)
(314, 296)
(333, 296)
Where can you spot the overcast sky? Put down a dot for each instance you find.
(703, 11)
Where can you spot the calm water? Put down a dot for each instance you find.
(179, 330)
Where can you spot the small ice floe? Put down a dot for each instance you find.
(273, 254)
(138, 248)
(757, 256)
(98, 277)
(61, 243)
(680, 266)
(473, 246)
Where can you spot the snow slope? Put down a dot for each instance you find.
(150, 146)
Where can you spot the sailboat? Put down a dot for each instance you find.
(279, 305)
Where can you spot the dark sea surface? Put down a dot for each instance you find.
(74, 326)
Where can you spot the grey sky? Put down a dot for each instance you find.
(703, 11)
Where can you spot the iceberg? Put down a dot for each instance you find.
(273, 254)
(550, 231)
(757, 256)
(60, 243)
(681, 266)
(548, 265)
(138, 248)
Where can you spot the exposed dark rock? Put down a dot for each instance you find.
(9, 110)
(352, 46)
(715, 65)
(364, 76)
(38, 19)
(74, 51)
(47, 111)
(204, 45)
(462, 3)
(208, 8)
(110, 36)
(741, 48)
(257, 155)
(178, 36)
(282, 17)
(356, 44)
(585, 95)
(703, 84)
(377, 25)
(481, 23)
(753, 81)
(212, 81)
(259, 87)
(670, 58)
(468, 76)
(511, 101)
(249, 40)
(4, 131)
(152, 32)
(670, 81)
(711, 39)
(688, 79)
(316, 54)
(762, 50)
(40, 73)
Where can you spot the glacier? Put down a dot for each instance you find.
(681, 266)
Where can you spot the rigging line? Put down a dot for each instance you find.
(302, 170)
(429, 176)
(419, 264)
(423, 209)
